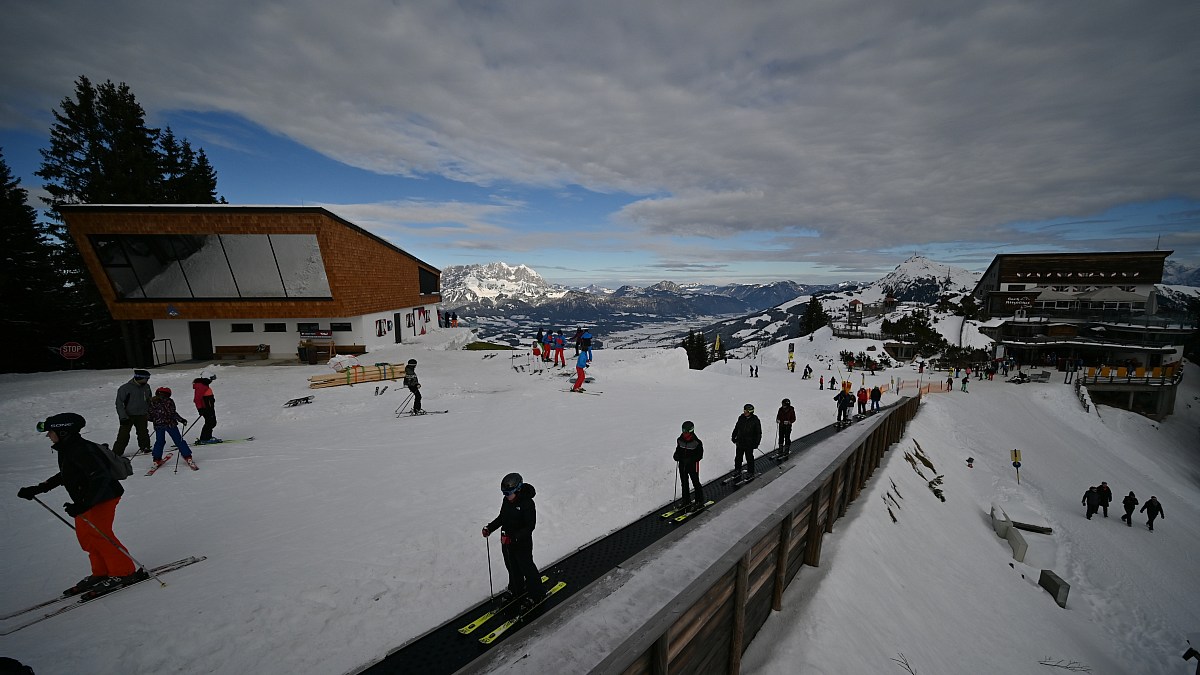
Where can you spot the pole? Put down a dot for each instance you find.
(189, 427)
(177, 453)
(491, 589)
(106, 538)
(400, 409)
(675, 484)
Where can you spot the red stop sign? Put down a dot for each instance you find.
(71, 351)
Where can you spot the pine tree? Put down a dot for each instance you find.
(28, 283)
(814, 317)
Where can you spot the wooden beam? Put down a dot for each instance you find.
(781, 561)
(740, 592)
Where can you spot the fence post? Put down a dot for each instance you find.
(781, 561)
(740, 592)
(660, 658)
(812, 547)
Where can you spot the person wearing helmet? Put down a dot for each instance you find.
(84, 472)
(786, 417)
(133, 402)
(166, 419)
(689, 450)
(747, 434)
(410, 381)
(206, 405)
(518, 517)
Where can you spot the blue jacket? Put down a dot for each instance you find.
(585, 343)
(582, 361)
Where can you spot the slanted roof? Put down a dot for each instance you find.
(1051, 295)
(1112, 294)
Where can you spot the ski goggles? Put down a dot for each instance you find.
(41, 427)
(513, 491)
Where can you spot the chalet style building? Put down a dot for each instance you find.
(250, 281)
(1093, 315)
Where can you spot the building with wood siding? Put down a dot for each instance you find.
(215, 276)
(1091, 315)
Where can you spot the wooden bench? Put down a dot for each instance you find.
(242, 352)
(351, 350)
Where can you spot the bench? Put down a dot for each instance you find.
(350, 350)
(242, 352)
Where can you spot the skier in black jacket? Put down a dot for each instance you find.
(1130, 503)
(689, 450)
(1153, 510)
(84, 472)
(518, 517)
(747, 434)
(845, 401)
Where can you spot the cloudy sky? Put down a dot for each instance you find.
(640, 141)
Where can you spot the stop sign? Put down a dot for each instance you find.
(71, 351)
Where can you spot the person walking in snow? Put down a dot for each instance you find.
(410, 381)
(1130, 503)
(1105, 497)
(950, 383)
(133, 402)
(785, 418)
(1091, 499)
(845, 401)
(516, 522)
(689, 450)
(965, 380)
(581, 362)
(822, 385)
(560, 344)
(746, 437)
(84, 472)
(1152, 510)
(863, 397)
(876, 395)
(202, 396)
(165, 417)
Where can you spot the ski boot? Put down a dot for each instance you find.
(191, 463)
(85, 584)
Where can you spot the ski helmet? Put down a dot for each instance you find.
(165, 391)
(688, 426)
(208, 375)
(412, 362)
(787, 401)
(63, 423)
(749, 407)
(511, 483)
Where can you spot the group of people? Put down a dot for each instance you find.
(84, 471)
(1098, 497)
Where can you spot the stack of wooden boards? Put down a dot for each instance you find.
(356, 374)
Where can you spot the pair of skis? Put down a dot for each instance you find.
(679, 514)
(191, 464)
(81, 601)
(738, 479)
(380, 392)
(516, 619)
(401, 413)
(583, 391)
(302, 400)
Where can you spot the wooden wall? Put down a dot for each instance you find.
(712, 633)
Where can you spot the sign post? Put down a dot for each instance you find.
(1016, 460)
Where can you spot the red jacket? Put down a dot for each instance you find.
(203, 397)
(862, 395)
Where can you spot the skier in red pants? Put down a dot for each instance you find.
(580, 363)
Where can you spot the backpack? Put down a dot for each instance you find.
(119, 466)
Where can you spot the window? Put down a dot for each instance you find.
(208, 266)
(1016, 287)
(274, 327)
(428, 281)
(242, 328)
(340, 326)
(308, 327)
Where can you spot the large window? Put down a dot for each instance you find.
(213, 266)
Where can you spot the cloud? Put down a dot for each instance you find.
(838, 126)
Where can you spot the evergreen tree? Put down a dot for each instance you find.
(102, 152)
(28, 283)
(814, 317)
(697, 350)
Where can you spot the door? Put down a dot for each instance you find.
(200, 334)
(396, 327)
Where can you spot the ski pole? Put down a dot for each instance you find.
(189, 427)
(675, 484)
(177, 453)
(491, 589)
(106, 538)
(403, 403)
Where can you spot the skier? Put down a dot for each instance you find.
(205, 405)
(863, 397)
(547, 346)
(1106, 497)
(164, 417)
(585, 344)
(578, 340)
(876, 395)
(746, 436)
(786, 417)
(1091, 499)
(1130, 503)
(560, 343)
(965, 380)
(845, 400)
(833, 383)
(1153, 510)
(518, 517)
(133, 401)
(410, 381)
(84, 472)
(581, 362)
(822, 386)
(950, 383)
(689, 450)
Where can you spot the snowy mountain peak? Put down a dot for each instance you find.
(494, 281)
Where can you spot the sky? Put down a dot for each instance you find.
(628, 142)
(342, 532)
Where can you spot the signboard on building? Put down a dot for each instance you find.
(309, 334)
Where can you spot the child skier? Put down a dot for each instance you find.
(689, 450)
(205, 405)
(517, 519)
(410, 381)
(164, 417)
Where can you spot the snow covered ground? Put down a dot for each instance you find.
(343, 532)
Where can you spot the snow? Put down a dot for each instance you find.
(343, 532)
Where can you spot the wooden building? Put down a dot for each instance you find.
(216, 280)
